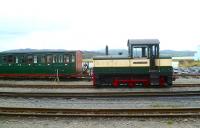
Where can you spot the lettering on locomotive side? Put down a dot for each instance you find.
(140, 62)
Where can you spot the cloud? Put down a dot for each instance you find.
(92, 24)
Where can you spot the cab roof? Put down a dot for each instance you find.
(143, 42)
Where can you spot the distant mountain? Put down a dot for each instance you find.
(115, 51)
(174, 53)
(171, 53)
(90, 54)
(33, 50)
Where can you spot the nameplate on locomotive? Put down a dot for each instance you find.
(140, 62)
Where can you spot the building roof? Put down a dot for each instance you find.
(142, 41)
(37, 52)
(183, 58)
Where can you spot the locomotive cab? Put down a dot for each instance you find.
(149, 50)
(144, 49)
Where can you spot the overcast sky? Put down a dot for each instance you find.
(91, 24)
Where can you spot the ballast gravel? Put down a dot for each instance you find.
(97, 122)
(100, 103)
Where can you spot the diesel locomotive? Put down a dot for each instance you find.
(142, 67)
(41, 64)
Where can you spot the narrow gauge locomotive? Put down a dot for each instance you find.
(41, 64)
(142, 67)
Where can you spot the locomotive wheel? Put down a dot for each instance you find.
(115, 83)
(131, 85)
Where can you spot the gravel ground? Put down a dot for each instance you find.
(94, 90)
(187, 81)
(39, 82)
(44, 82)
(97, 122)
(135, 102)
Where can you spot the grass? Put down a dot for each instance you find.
(170, 122)
(189, 63)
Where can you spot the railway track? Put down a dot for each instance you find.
(46, 86)
(156, 112)
(76, 86)
(186, 85)
(187, 75)
(101, 94)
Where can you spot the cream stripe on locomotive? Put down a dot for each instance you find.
(163, 62)
(122, 63)
(131, 63)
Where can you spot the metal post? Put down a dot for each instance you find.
(143, 51)
(57, 77)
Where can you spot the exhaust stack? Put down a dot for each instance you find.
(107, 50)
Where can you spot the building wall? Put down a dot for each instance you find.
(197, 55)
(175, 64)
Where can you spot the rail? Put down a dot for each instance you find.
(77, 86)
(101, 94)
(155, 112)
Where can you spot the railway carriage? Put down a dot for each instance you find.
(142, 67)
(41, 64)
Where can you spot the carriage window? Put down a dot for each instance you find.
(10, 59)
(49, 58)
(66, 59)
(30, 59)
(35, 59)
(73, 58)
(43, 59)
(60, 59)
(4, 58)
(16, 59)
(55, 59)
(23, 59)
